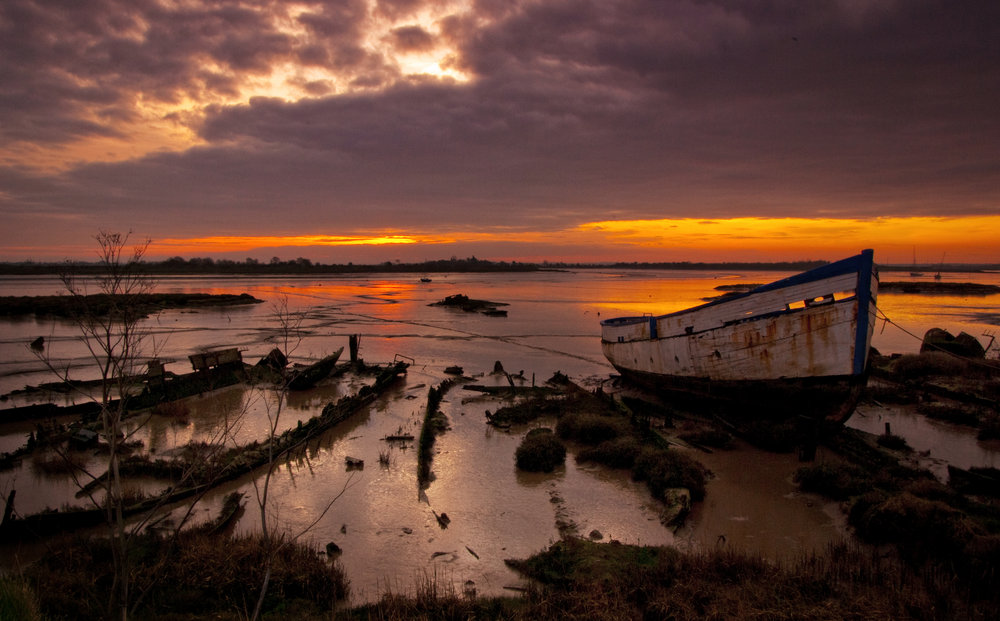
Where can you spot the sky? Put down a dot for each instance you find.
(529, 130)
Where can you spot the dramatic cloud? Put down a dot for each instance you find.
(364, 118)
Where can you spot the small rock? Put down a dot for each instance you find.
(408, 531)
(333, 549)
(596, 535)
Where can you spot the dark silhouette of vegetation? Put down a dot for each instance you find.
(195, 575)
(540, 451)
(303, 266)
(579, 579)
(591, 428)
(434, 423)
(101, 305)
(932, 527)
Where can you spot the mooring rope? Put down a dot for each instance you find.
(886, 320)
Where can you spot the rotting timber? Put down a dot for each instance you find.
(159, 386)
(206, 474)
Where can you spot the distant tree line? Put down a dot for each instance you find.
(301, 265)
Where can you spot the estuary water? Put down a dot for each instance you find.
(385, 524)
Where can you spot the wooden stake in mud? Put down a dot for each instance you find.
(354, 342)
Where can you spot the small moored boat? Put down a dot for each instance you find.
(794, 347)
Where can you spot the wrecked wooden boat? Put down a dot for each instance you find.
(794, 347)
(307, 377)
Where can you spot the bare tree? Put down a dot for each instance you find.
(108, 310)
(273, 538)
(115, 342)
(109, 314)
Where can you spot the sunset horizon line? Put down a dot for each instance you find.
(923, 240)
(291, 265)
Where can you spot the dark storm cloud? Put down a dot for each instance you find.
(412, 39)
(575, 111)
(644, 109)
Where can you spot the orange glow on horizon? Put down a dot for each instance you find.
(970, 239)
(804, 238)
(222, 243)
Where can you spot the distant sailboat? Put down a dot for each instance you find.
(914, 272)
(937, 276)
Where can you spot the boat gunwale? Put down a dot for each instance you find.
(855, 264)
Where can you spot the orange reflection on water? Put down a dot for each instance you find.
(655, 292)
(385, 294)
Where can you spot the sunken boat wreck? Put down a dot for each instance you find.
(796, 347)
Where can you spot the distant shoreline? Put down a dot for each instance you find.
(225, 267)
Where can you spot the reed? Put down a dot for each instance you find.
(18, 600)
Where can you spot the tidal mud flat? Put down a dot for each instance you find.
(609, 427)
(491, 506)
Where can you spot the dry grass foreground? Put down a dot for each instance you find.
(580, 579)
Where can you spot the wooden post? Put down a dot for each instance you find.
(354, 342)
(9, 509)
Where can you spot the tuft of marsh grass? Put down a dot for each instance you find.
(18, 601)
(540, 451)
(591, 428)
(193, 575)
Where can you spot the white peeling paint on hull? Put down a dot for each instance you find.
(802, 336)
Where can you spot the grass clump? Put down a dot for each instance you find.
(919, 527)
(591, 428)
(952, 413)
(836, 481)
(586, 580)
(18, 600)
(540, 451)
(663, 469)
(618, 453)
(193, 575)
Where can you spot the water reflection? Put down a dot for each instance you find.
(936, 443)
(384, 523)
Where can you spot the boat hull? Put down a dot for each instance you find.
(794, 347)
(826, 399)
